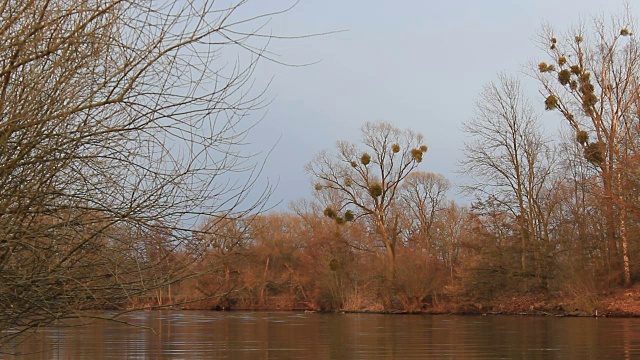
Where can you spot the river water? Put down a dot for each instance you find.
(294, 335)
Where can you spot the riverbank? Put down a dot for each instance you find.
(618, 303)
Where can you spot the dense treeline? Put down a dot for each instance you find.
(554, 215)
(536, 227)
(461, 255)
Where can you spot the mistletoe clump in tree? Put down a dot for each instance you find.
(365, 178)
(591, 79)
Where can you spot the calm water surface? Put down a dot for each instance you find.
(289, 335)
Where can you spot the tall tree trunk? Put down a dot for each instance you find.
(623, 233)
(391, 259)
(625, 249)
(390, 248)
(264, 281)
(611, 222)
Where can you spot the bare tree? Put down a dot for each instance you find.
(423, 196)
(121, 125)
(590, 78)
(452, 225)
(367, 178)
(511, 161)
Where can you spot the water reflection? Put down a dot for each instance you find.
(266, 335)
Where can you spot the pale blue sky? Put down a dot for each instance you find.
(416, 64)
